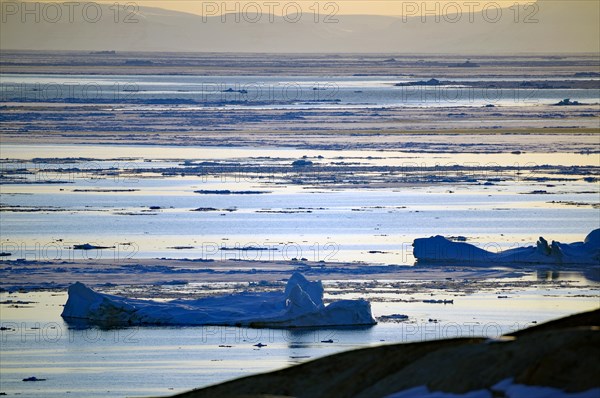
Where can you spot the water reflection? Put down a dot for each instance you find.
(591, 274)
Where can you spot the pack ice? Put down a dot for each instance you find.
(440, 249)
(300, 305)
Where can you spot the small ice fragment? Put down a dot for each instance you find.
(33, 378)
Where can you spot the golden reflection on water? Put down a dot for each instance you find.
(393, 158)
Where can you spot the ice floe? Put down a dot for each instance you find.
(300, 305)
(440, 249)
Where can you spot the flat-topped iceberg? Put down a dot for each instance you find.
(300, 305)
(440, 249)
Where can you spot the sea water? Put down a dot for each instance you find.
(142, 361)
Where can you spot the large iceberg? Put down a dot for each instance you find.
(300, 305)
(440, 249)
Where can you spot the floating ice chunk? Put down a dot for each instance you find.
(33, 378)
(443, 301)
(314, 290)
(300, 305)
(592, 241)
(440, 249)
(393, 318)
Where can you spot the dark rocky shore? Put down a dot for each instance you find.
(563, 354)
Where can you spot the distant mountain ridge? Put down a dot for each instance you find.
(561, 27)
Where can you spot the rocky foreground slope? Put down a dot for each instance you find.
(564, 354)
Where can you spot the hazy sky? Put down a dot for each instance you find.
(339, 7)
(545, 26)
(342, 7)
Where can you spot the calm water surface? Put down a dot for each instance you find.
(163, 360)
